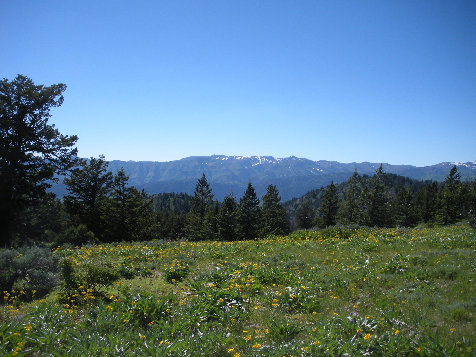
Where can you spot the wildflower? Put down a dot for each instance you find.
(248, 337)
(236, 355)
(109, 307)
(397, 332)
(256, 345)
(28, 327)
(230, 349)
(141, 336)
(367, 336)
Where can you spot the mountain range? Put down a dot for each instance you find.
(292, 175)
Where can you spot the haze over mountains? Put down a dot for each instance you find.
(293, 176)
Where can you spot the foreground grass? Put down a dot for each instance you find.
(368, 291)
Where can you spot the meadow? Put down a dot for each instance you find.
(395, 292)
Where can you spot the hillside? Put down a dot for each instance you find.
(293, 176)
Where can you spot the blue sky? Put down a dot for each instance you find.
(351, 81)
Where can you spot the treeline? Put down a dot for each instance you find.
(386, 200)
(102, 206)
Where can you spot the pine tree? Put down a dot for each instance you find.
(227, 219)
(329, 206)
(31, 150)
(274, 216)
(449, 197)
(404, 208)
(429, 203)
(201, 203)
(127, 213)
(305, 215)
(211, 223)
(350, 210)
(379, 210)
(249, 214)
(88, 186)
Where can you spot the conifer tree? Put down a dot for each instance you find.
(249, 214)
(305, 215)
(350, 210)
(329, 205)
(211, 223)
(31, 150)
(379, 210)
(201, 203)
(405, 212)
(88, 186)
(227, 219)
(449, 197)
(127, 213)
(429, 202)
(274, 216)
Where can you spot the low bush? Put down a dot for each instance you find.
(28, 271)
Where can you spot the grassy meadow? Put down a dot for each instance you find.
(328, 292)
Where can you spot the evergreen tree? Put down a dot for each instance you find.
(88, 186)
(274, 216)
(379, 210)
(31, 150)
(249, 214)
(472, 205)
(127, 213)
(329, 206)
(305, 215)
(211, 223)
(227, 219)
(201, 203)
(429, 203)
(405, 212)
(350, 210)
(450, 202)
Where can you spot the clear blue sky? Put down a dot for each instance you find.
(381, 81)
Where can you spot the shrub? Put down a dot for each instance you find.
(33, 271)
(77, 236)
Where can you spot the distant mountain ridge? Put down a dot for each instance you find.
(293, 176)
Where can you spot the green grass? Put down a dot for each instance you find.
(357, 292)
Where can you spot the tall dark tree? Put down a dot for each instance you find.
(450, 200)
(31, 150)
(273, 215)
(127, 213)
(429, 203)
(228, 219)
(351, 209)
(329, 205)
(472, 205)
(404, 208)
(88, 186)
(379, 209)
(249, 213)
(211, 230)
(201, 203)
(305, 215)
